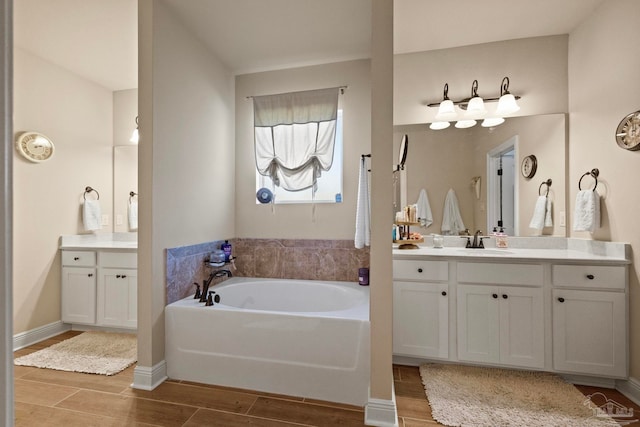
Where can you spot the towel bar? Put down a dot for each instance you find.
(89, 190)
(594, 173)
(548, 184)
(132, 194)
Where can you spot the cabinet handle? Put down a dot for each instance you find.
(495, 296)
(444, 293)
(76, 258)
(505, 296)
(124, 276)
(90, 275)
(561, 299)
(419, 270)
(590, 276)
(118, 276)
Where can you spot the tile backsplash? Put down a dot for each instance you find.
(266, 258)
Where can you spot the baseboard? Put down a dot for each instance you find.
(590, 381)
(630, 388)
(148, 378)
(41, 333)
(381, 412)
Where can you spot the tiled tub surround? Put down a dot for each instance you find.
(334, 260)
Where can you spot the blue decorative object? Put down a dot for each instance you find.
(264, 195)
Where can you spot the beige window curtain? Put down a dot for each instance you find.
(295, 136)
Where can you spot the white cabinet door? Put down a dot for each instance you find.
(79, 295)
(478, 318)
(501, 324)
(521, 327)
(589, 332)
(117, 298)
(421, 319)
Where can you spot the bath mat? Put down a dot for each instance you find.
(104, 353)
(472, 396)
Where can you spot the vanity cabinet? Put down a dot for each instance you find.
(589, 320)
(99, 288)
(501, 325)
(421, 309)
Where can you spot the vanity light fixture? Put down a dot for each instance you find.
(135, 135)
(474, 108)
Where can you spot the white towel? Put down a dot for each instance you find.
(91, 215)
(548, 220)
(363, 230)
(133, 215)
(451, 219)
(586, 215)
(424, 209)
(539, 213)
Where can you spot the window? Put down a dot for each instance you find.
(298, 147)
(329, 185)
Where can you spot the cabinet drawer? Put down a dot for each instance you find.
(500, 274)
(589, 276)
(421, 270)
(119, 259)
(79, 258)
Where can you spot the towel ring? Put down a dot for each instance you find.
(89, 190)
(594, 174)
(548, 184)
(132, 194)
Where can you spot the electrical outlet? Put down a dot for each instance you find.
(119, 219)
(563, 219)
(105, 219)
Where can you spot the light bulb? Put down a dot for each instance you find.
(446, 111)
(507, 104)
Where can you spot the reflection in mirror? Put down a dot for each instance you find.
(452, 158)
(502, 192)
(125, 180)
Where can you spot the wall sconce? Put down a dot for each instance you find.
(135, 135)
(474, 108)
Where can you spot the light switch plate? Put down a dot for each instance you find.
(105, 219)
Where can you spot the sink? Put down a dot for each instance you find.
(469, 251)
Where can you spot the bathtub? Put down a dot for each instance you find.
(296, 337)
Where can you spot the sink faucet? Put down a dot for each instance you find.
(477, 241)
(221, 273)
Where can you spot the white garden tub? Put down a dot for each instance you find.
(296, 337)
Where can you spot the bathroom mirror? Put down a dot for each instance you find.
(452, 158)
(125, 180)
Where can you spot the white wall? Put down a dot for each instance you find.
(77, 115)
(603, 88)
(186, 149)
(332, 220)
(536, 67)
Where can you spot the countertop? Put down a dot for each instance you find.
(121, 241)
(528, 249)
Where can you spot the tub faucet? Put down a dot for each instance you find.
(221, 273)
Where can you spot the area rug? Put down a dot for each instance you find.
(473, 396)
(105, 353)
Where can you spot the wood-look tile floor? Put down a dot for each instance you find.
(46, 397)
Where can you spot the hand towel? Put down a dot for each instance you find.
(133, 215)
(539, 213)
(91, 215)
(548, 220)
(586, 215)
(451, 219)
(363, 230)
(424, 209)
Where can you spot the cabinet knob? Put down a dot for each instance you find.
(76, 258)
(495, 296)
(561, 299)
(420, 270)
(444, 293)
(90, 275)
(505, 296)
(124, 276)
(590, 276)
(117, 276)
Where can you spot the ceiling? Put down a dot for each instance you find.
(97, 39)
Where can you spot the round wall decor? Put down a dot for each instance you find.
(529, 166)
(34, 146)
(628, 132)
